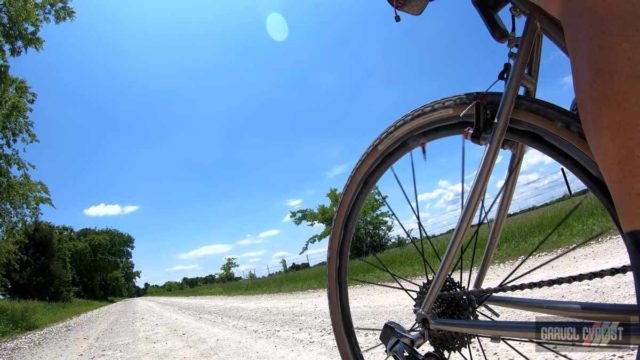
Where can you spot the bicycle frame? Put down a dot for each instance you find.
(524, 72)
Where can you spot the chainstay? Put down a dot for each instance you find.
(565, 280)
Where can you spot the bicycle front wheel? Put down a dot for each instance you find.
(411, 183)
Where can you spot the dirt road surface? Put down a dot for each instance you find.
(285, 326)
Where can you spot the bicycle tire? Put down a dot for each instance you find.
(546, 127)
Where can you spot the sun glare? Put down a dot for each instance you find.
(277, 27)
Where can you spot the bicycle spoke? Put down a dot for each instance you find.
(461, 261)
(514, 349)
(596, 236)
(462, 153)
(461, 354)
(371, 348)
(420, 226)
(481, 348)
(547, 237)
(367, 329)
(415, 193)
(424, 259)
(542, 344)
(486, 214)
(394, 278)
(550, 349)
(384, 285)
(388, 271)
(462, 176)
(475, 243)
(485, 315)
(413, 327)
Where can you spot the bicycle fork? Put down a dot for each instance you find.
(515, 80)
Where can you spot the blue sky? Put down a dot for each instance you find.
(199, 128)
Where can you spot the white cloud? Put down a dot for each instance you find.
(253, 253)
(337, 170)
(286, 218)
(103, 209)
(498, 160)
(281, 254)
(184, 268)
(534, 157)
(448, 194)
(250, 240)
(567, 81)
(206, 251)
(430, 195)
(254, 260)
(269, 233)
(294, 202)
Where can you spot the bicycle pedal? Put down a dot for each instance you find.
(400, 343)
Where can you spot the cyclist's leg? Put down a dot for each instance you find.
(603, 39)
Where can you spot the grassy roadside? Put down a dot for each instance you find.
(19, 316)
(520, 235)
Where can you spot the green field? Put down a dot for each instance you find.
(18, 316)
(521, 234)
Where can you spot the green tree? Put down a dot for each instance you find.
(41, 268)
(373, 226)
(102, 263)
(227, 269)
(252, 275)
(20, 24)
(283, 263)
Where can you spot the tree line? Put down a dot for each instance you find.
(226, 274)
(57, 263)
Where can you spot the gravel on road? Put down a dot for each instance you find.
(286, 326)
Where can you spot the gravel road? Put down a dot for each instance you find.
(282, 326)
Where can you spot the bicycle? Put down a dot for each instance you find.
(495, 121)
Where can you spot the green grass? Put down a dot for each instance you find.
(18, 316)
(520, 235)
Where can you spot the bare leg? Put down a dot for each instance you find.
(603, 39)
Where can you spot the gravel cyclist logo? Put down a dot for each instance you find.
(603, 334)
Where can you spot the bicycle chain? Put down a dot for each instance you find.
(565, 280)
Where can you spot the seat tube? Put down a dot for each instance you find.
(527, 42)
